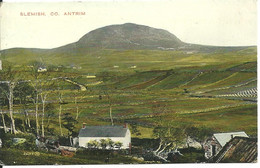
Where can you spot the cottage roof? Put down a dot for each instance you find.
(223, 138)
(238, 149)
(103, 131)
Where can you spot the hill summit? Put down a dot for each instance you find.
(129, 36)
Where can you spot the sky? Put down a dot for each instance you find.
(209, 22)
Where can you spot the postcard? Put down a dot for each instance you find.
(128, 82)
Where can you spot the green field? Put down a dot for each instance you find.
(164, 87)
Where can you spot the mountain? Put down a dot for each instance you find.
(129, 36)
(135, 43)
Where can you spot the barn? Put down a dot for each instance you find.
(215, 143)
(115, 133)
(237, 150)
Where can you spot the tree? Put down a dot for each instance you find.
(103, 143)
(49, 113)
(10, 77)
(118, 144)
(3, 102)
(76, 100)
(200, 133)
(169, 137)
(22, 91)
(60, 96)
(3, 120)
(43, 95)
(93, 144)
(110, 107)
(169, 133)
(110, 143)
(135, 130)
(107, 90)
(44, 91)
(35, 83)
(42, 82)
(69, 123)
(3, 97)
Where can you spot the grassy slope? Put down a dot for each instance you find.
(242, 118)
(142, 106)
(233, 119)
(138, 78)
(207, 78)
(234, 79)
(104, 60)
(23, 157)
(174, 80)
(248, 86)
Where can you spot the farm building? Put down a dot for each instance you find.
(215, 143)
(42, 69)
(115, 133)
(237, 150)
(91, 76)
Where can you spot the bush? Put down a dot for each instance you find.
(64, 141)
(95, 154)
(29, 144)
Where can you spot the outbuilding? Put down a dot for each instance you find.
(237, 150)
(115, 133)
(215, 143)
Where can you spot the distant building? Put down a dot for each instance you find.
(237, 150)
(42, 69)
(215, 143)
(133, 67)
(1, 65)
(91, 76)
(115, 133)
(189, 52)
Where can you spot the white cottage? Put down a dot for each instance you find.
(42, 69)
(215, 143)
(115, 133)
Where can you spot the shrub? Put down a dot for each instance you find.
(29, 144)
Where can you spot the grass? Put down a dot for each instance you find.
(247, 67)
(138, 78)
(146, 96)
(250, 85)
(94, 61)
(208, 78)
(233, 119)
(174, 80)
(236, 78)
(13, 156)
(142, 107)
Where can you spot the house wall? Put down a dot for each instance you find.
(208, 147)
(83, 141)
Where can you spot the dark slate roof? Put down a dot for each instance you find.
(103, 131)
(238, 150)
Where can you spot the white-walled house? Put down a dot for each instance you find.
(115, 133)
(42, 69)
(215, 143)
